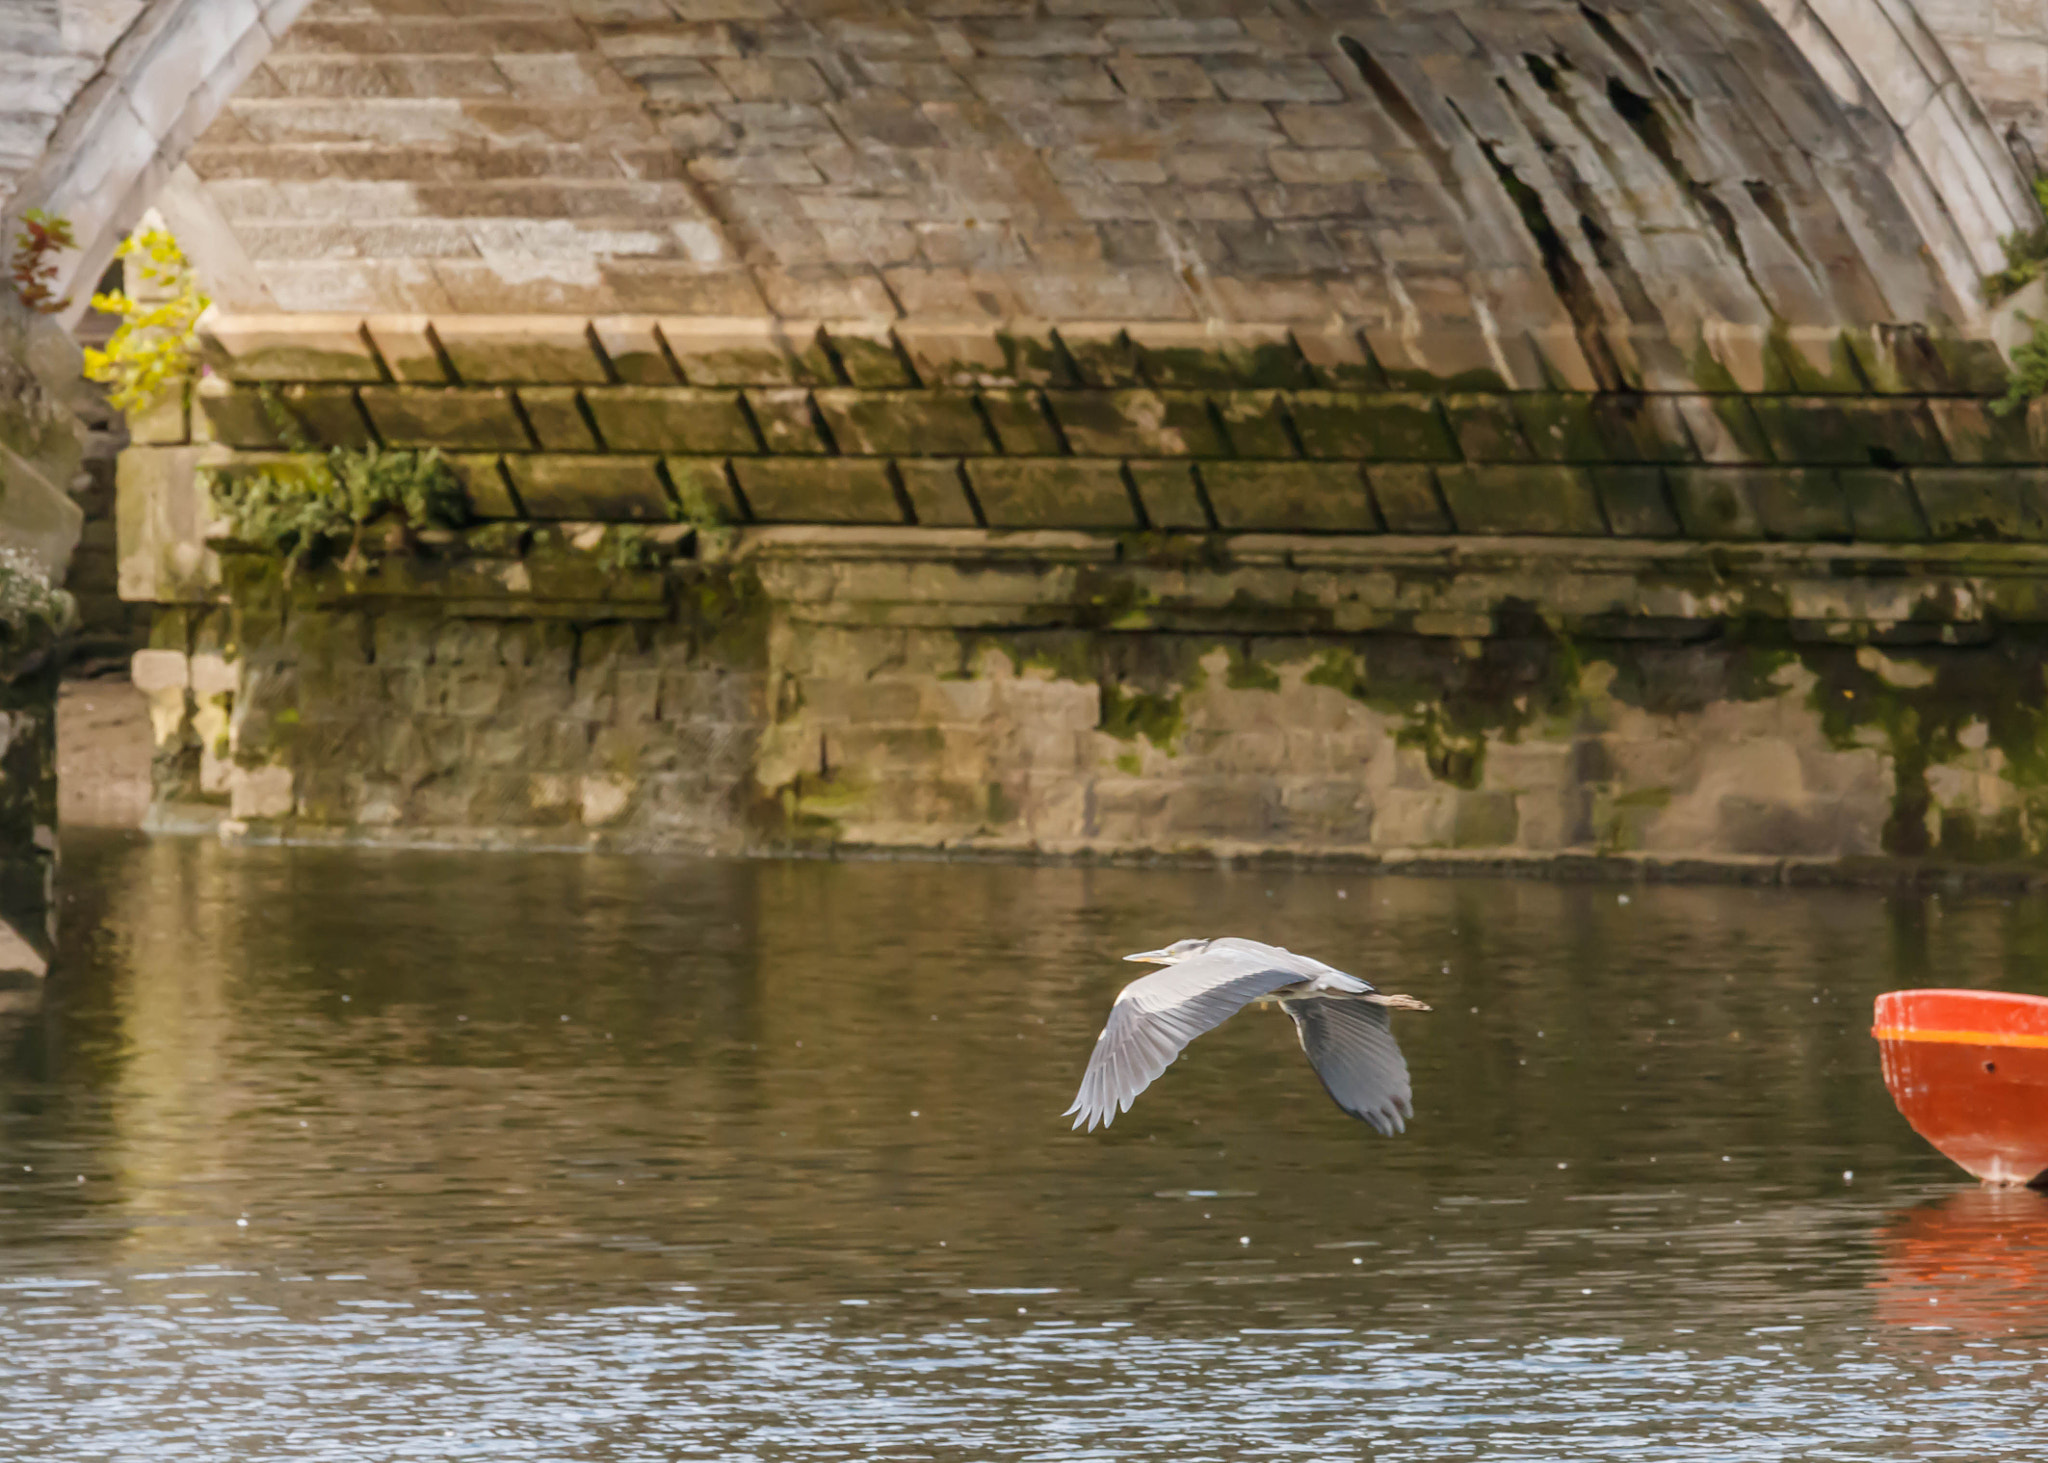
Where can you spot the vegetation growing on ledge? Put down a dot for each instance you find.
(150, 351)
(2026, 256)
(2029, 370)
(305, 509)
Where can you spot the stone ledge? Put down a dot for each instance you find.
(1535, 464)
(1571, 865)
(886, 352)
(1433, 586)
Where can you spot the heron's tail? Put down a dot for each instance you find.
(1397, 1003)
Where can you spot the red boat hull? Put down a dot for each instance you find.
(1969, 1070)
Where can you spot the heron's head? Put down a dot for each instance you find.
(1173, 954)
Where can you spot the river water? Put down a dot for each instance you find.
(333, 1154)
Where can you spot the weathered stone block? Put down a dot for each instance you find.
(1487, 428)
(299, 347)
(508, 349)
(601, 489)
(747, 352)
(1911, 358)
(1256, 424)
(823, 490)
(1027, 492)
(787, 420)
(1102, 354)
(1317, 497)
(460, 420)
(280, 417)
(409, 350)
(163, 517)
(1559, 426)
(1757, 502)
(167, 421)
(1851, 432)
(483, 482)
(1635, 501)
(704, 491)
(1170, 495)
(975, 353)
(1639, 428)
(1137, 423)
(260, 792)
(1715, 502)
(556, 415)
(1407, 498)
(867, 352)
(1522, 498)
(1812, 360)
(896, 423)
(1484, 820)
(632, 344)
(938, 492)
(1455, 356)
(1881, 505)
(1984, 503)
(1222, 355)
(1376, 428)
(1723, 429)
(1800, 504)
(1022, 426)
(1973, 433)
(671, 419)
(1337, 356)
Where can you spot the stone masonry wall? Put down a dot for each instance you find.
(1771, 708)
(1109, 587)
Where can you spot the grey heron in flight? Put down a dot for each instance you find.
(1342, 1022)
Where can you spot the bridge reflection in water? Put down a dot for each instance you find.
(322, 1154)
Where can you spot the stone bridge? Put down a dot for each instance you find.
(1392, 430)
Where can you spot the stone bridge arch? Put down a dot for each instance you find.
(785, 362)
(109, 96)
(100, 99)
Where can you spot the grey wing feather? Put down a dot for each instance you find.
(1351, 1046)
(1155, 1018)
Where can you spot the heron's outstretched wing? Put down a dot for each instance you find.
(1352, 1048)
(1156, 1016)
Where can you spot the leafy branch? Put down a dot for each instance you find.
(150, 351)
(34, 266)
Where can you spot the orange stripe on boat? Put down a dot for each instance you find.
(1961, 1038)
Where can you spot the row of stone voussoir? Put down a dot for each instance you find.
(652, 350)
(1175, 495)
(648, 350)
(1318, 424)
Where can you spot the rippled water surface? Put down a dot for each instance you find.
(319, 1154)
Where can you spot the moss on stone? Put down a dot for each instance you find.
(1246, 672)
(1128, 715)
(1860, 703)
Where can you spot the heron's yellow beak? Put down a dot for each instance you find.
(1153, 957)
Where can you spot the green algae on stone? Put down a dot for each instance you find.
(2002, 690)
(1128, 715)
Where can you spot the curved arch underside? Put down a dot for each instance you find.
(1611, 185)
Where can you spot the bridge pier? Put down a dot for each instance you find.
(1317, 429)
(1285, 612)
